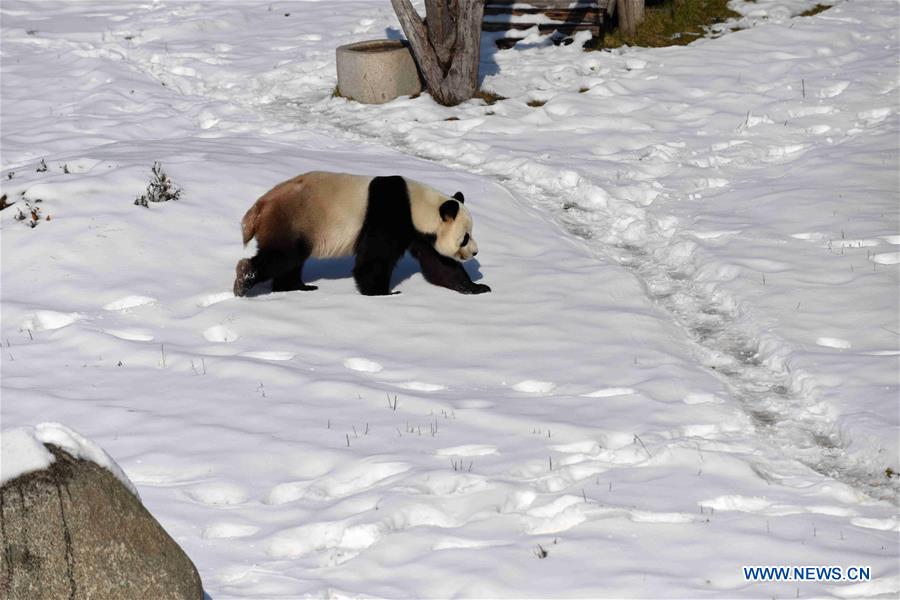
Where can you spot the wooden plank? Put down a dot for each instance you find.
(567, 16)
(557, 14)
(544, 28)
(548, 3)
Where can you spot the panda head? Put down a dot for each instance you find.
(454, 235)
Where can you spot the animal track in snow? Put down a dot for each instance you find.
(874, 116)
(609, 392)
(891, 524)
(420, 515)
(128, 302)
(132, 335)
(336, 485)
(220, 333)
(701, 399)
(712, 235)
(160, 475)
(420, 386)
(643, 516)
(830, 342)
(456, 543)
(299, 541)
(48, 320)
(209, 300)
(219, 531)
(559, 515)
(887, 258)
(269, 355)
(780, 151)
(809, 235)
(446, 483)
(852, 243)
(363, 365)
(834, 90)
(584, 447)
(763, 506)
(531, 386)
(217, 494)
(467, 450)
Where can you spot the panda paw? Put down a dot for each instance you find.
(479, 288)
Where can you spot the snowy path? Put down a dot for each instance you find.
(331, 444)
(650, 215)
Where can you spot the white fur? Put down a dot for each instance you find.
(328, 211)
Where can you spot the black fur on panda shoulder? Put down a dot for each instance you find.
(388, 232)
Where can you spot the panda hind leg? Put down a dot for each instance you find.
(282, 266)
(291, 279)
(244, 277)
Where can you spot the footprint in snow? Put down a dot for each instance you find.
(456, 543)
(609, 392)
(643, 516)
(363, 365)
(532, 386)
(562, 514)
(163, 475)
(48, 320)
(220, 531)
(420, 386)
(220, 333)
(128, 302)
(336, 484)
(467, 450)
(210, 299)
(132, 335)
(269, 355)
(330, 535)
(701, 399)
(217, 494)
(833, 90)
(890, 524)
(583, 447)
(887, 258)
(830, 342)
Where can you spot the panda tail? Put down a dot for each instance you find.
(250, 223)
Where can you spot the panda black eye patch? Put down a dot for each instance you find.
(465, 241)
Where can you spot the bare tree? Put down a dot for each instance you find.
(446, 46)
(631, 14)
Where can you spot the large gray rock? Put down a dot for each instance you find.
(74, 531)
(376, 71)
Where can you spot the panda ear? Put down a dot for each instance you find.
(459, 196)
(449, 210)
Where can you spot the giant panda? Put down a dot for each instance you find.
(327, 215)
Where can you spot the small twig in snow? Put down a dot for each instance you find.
(638, 438)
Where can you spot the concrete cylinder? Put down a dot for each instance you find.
(376, 71)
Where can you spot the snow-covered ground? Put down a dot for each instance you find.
(688, 364)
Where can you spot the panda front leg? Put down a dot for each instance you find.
(375, 262)
(373, 276)
(443, 271)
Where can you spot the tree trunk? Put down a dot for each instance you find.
(631, 14)
(447, 47)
